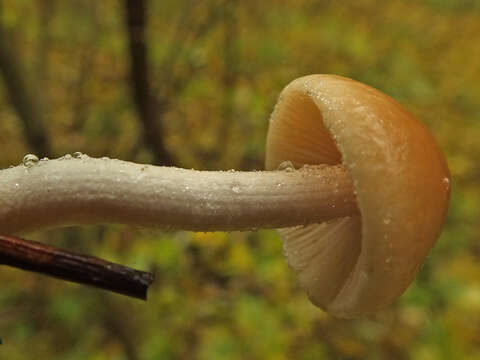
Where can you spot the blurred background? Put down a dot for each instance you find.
(192, 83)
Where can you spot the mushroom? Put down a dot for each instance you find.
(357, 186)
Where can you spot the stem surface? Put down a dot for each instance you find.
(86, 190)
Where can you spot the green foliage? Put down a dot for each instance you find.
(231, 296)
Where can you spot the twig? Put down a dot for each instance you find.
(83, 269)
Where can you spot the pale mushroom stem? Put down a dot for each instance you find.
(86, 190)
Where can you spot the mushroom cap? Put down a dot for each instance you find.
(354, 266)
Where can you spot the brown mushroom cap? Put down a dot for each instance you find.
(357, 265)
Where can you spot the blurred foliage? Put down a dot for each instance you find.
(218, 66)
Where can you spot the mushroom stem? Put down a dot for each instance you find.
(86, 190)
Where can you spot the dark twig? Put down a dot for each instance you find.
(83, 269)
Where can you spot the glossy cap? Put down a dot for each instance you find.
(354, 266)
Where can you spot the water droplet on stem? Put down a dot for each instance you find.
(286, 166)
(29, 160)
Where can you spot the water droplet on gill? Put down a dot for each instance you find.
(29, 160)
(17, 185)
(105, 158)
(387, 260)
(11, 166)
(67, 157)
(235, 189)
(286, 166)
(77, 155)
(44, 159)
(387, 219)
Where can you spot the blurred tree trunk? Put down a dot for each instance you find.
(119, 327)
(45, 10)
(135, 17)
(23, 99)
(230, 74)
